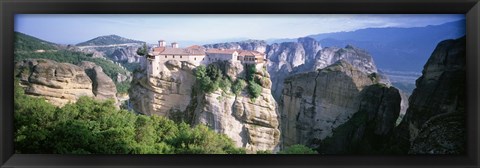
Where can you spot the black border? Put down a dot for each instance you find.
(10, 7)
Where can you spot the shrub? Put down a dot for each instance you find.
(97, 127)
(254, 89)
(238, 86)
(298, 149)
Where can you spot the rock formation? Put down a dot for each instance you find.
(315, 103)
(61, 83)
(168, 91)
(251, 123)
(368, 130)
(257, 45)
(434, 121)
(103, 86)
(125, 54)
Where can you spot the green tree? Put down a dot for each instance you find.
(142, 51)
(251, 70)
(238, 86)
(254, 89)
(298, 149)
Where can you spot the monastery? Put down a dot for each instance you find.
(198, 55)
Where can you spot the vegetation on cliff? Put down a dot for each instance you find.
(212, 77)
(93, 127)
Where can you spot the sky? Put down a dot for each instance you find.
(201, 29)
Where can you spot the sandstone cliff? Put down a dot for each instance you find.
(315, 103)
(164, 93)
(103, 86)
(251, 123)
(61, 83)
(434, 121)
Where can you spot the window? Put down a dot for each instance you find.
(165, 56)
(194, 58)
(173, 56)
(238, 58)
(180, 56)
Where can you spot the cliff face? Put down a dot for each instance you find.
(61, 83)
(257, 45)
(434, 121)
(355, 56)
(167, 92)
(370, 127)
(103, 86)
(125, 54)
(315, 103)
(251, 123)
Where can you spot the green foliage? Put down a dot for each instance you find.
(142, 50)
(108, 40)
(251, 70)
(225, 84)
(206, 84)
(298, 149)
(254, 89)
(25, 42)
(238, 86)
(201, 140)
(123, 87)
(211, 78)
(92, 127)
(110, 68)
(264, 152)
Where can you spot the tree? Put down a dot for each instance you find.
(254, 89)
(142, 51)
(238, 86)
(97, 127)
(298, 149)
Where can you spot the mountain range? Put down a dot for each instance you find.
(393, 48)
(108, 40)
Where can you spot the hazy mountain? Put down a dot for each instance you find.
(108, 40)
(400, 49)
(25, 42)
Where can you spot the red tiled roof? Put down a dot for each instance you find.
(250, 53)
(220, 51)
(158, 49)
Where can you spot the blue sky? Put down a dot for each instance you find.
(75, 28)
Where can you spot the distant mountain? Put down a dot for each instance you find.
(108, 40)
(25, 42)
(399, 49)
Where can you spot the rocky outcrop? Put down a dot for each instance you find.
(125, 54)
(165, 92)
(257, 45)
(103, 86)
(434, 121)
(284, 58)
(250, 123)
(315, 103)
(370, 127)
(61, 83)
(359, 58)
